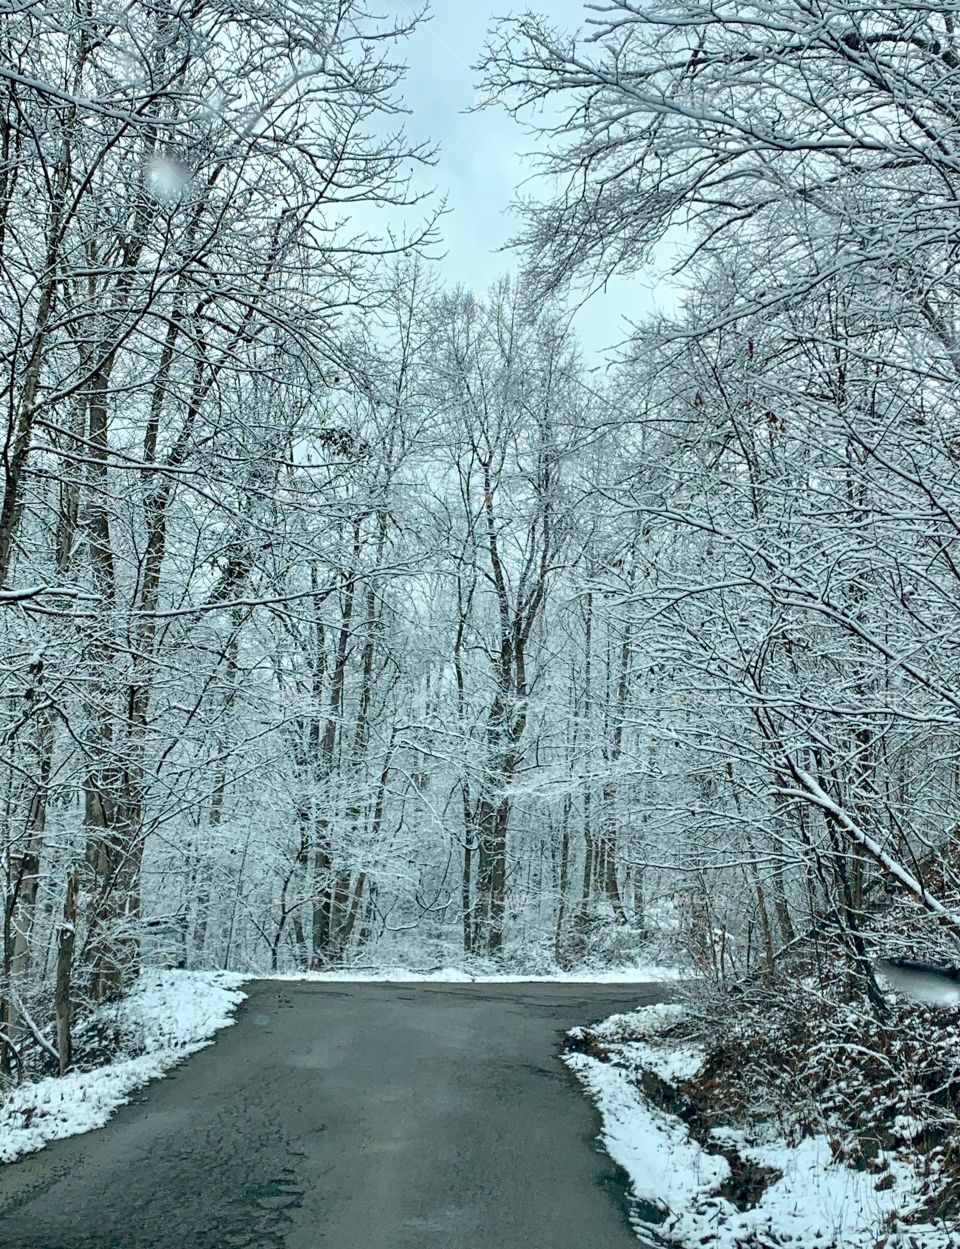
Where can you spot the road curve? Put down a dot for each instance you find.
(348, 1115)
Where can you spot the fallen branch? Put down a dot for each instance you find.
(813, 793)
(32, 1028)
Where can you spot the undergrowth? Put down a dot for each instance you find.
(810, 1056)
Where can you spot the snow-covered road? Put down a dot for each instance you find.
(359, 1116)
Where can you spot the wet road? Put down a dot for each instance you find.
(348, 1116)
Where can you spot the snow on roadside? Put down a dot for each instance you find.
(646, 1048)
(815, 1202)
(452, 975)
(167, 1016)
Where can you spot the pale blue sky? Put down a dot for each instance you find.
(481, 160)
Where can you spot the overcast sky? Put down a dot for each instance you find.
(481, 160)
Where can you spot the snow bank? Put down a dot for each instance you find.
(168, 1015)
(816, 1202)
(452, 975)
(645, 1046)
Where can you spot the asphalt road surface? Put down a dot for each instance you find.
(348, 1116)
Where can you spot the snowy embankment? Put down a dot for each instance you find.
(169, 1015)
(737, 1190)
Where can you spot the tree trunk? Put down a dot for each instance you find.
(563, 881)
(63, 997)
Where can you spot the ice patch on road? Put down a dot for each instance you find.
(170, 1014)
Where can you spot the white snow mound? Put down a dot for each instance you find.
(172, 1013)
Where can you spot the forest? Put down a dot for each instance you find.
(350, 618)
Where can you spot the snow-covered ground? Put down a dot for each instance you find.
(169, 1015)
(619, 975)
(815, 1203)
